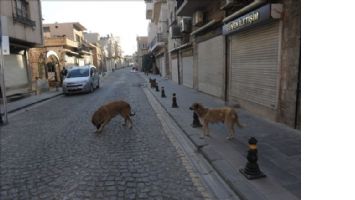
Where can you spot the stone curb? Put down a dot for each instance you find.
(33, 103)
(230, 175)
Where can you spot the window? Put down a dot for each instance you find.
(46, 29)
(79, 72)
(22, 8)
(22, 13)
(77, 37)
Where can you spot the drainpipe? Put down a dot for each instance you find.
(40, 21)
(3, 107)
(244, 10)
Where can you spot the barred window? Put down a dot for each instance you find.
(22, 8)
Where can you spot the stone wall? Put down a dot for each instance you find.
(290, 62)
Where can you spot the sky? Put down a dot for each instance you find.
(123, 18)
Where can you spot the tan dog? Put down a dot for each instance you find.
(226, 115)
(108, 111)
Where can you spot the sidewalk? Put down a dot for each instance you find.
(32, 99)
(279, 147)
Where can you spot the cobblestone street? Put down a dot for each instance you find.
(50, 151)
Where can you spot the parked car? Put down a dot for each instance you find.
(81, 79)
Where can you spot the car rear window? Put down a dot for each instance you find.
(84, 72)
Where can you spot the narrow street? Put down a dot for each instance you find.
(50, 151)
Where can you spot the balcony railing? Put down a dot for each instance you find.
(60, 41)
(159, 38)
(24, 20)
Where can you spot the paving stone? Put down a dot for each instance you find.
(52, 152)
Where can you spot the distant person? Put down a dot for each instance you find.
(63, 74)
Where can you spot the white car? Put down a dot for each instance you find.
(81, 79)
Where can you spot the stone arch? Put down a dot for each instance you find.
(52, 68)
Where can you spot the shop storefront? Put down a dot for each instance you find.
(187, 67)
(175, 67)
(211, 66)
(254, 42)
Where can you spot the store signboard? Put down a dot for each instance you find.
(257, 16)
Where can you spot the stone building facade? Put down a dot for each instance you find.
(142, 49)
(64, 46)
(244, 52)
(21, 28)
(111, 53)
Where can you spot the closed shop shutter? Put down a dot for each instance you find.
(187, 70)
(175, 71)
(254, 64)
(15, 71)
(211, 66)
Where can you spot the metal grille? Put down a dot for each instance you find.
(254, 65)
(211, 66)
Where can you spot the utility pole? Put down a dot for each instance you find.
(3, 106)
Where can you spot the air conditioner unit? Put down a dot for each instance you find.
(175, 31)
(186, 26)
(197, 18)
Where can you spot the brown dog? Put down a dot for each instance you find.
(226, 115)
(108, 111)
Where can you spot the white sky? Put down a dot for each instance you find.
(122, 18)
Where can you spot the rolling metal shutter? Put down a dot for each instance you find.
(187, 68)
(254, 61)
(187, 72)
(15, 71)
(211, 66)
(175, 70)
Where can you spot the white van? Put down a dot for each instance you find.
(81, 79)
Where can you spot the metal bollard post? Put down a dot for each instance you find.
(174, 104)
(156, 87)
(196, 122)
(252, 170)
(163, 92)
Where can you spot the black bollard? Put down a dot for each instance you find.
(196, 122)
(163, 92)
(154, 83)
(174, 105)
(157, 88)
(252, 170)
(150, 82)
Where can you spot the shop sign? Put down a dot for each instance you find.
(255, 17)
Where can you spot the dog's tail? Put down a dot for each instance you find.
(132, 114)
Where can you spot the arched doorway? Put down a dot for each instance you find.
(52, 69)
